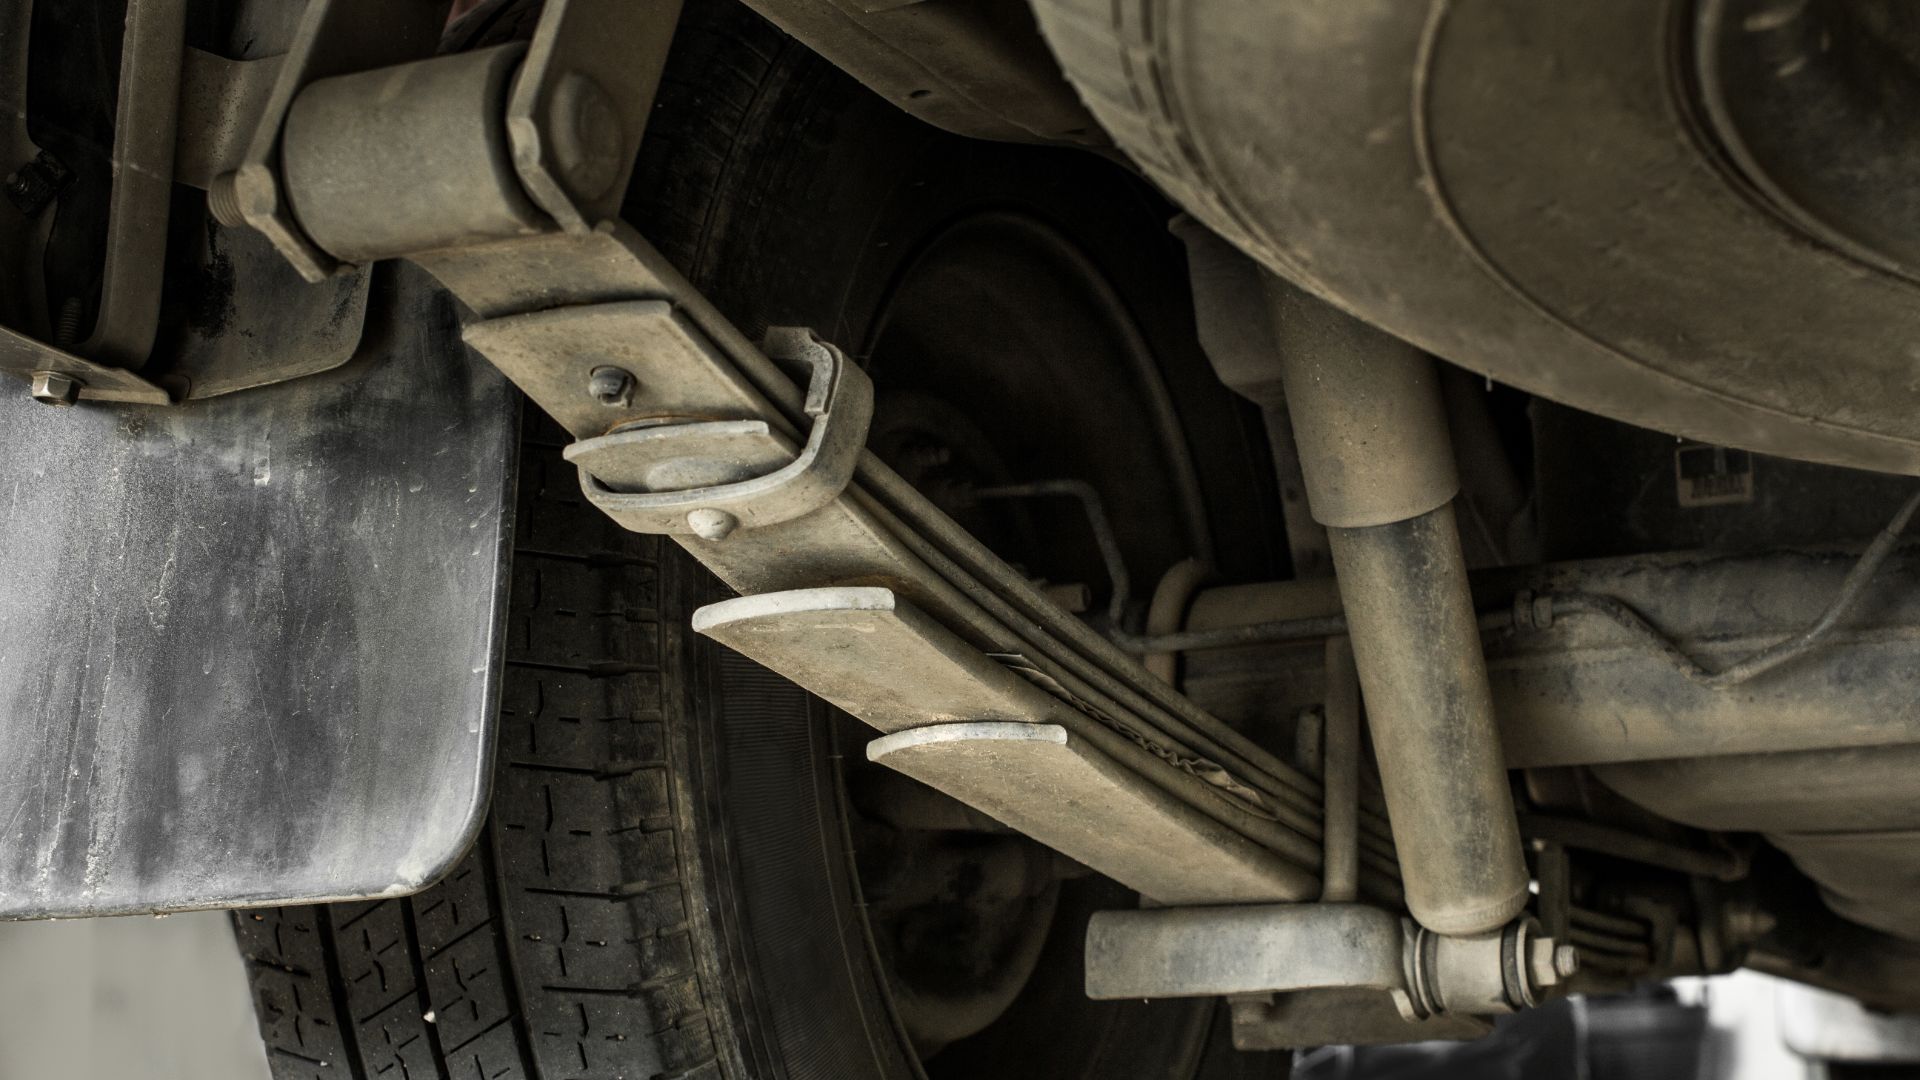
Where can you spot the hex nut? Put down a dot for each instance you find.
(1551, 963)
(53, 388)
(611, 386)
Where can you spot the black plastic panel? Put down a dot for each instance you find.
(250, 647)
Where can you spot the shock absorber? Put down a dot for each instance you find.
(1380, 475)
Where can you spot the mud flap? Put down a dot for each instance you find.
(250, 646)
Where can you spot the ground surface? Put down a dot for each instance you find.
(126, 999)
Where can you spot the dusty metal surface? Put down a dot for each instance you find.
(580, 103)
(144, 128)
(1591, 247)
(492, 143)
(1261, 949)
(248, 652)
(406, 158)
(1367, 415)
(220, 103)
(1109, 802)
(1312, 1018)
(1431, 716)
(334, 37)
(1372, 435)
(1585, 691)
(1094, 811)
(974, 67)
(1244, 355)
(96, 382)
(711, 477)
(1340, 777)
(247, 318)
(1244, 950)
(106, 300)
(1849, 818)
(879, 531)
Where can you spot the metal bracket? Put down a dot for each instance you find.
(100, 366)
(1261, 949)
(221, 102)
(889, 664)
(581, 102)
(335, 37)
(637, 474)
(361, 78)
(61, 378)
(640, 347)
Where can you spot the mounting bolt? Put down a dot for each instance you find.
(53, 388)
(66, 328)
(611, 386)
(712, 524)
(1566, 961)
(223, 200)
(1551, 963)
(587, 136)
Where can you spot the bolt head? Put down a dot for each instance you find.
(611, 386)
(53, 388)
(710, 524)
(587, 136)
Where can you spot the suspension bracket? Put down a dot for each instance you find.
(708, 477)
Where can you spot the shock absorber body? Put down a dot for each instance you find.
(1379, 472)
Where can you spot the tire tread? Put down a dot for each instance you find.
(560, 946)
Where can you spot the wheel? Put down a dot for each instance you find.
(690, 870)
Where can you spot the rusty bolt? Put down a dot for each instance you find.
(53, 388)
(611, 386)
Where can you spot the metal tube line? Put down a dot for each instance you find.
(1340, 779)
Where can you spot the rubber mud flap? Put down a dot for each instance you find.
(249, 647)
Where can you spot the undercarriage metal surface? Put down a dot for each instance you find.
(865, 591)
(1816, 754)
(684, 424)
(1379, 473)
(1258, 949)
(249, 650)
(873, 655)
(1849, 819)
(1704, 274)
(974, 67)
(697, 368)
(1584, 691)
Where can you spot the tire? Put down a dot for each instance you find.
(663, 887)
